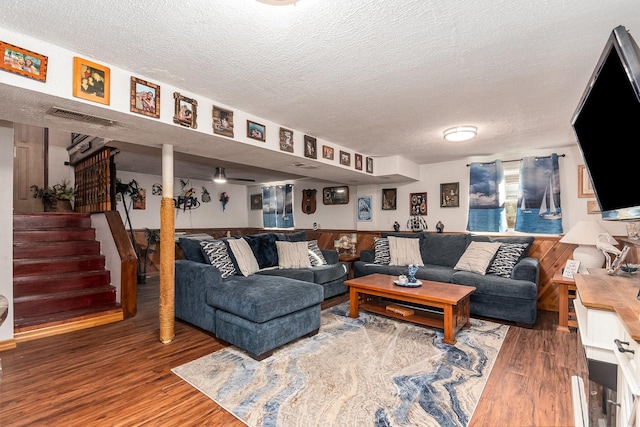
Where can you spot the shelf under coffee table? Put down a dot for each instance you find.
(367, 293)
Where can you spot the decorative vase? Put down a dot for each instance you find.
(412, 269)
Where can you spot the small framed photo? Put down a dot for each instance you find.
(364, 208)
(369, 164)
(256, 202)
(256, 131)
(358, 158)
(145, 98)
(286, 140)
(24, 62)
(222, 121)
(418, 204)
(327, 152)
(310, 147)
(186, 111)
(585, 189)
(91, 81)
(389, 197)
(345, 158)
(450, 195)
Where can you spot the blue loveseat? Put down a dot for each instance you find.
(512, 296)
(261, 311)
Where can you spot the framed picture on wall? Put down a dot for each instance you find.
(256, 131)
(286, 140)
(256, 202)
(418, 204)
(91, 81)
(389, 196)
(327, 152)
(585, 188)
(450, 195)
(364, 208)
(358, 161)
(345, 158)
(24, 62)
(222, 121)
(145, 98)
(310, 147)
(186, 112)
(369, 164)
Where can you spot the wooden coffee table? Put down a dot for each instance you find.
(367, 292)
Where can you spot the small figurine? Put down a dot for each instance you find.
(439, 227)
(396, 226)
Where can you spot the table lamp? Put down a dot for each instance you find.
(585, 234)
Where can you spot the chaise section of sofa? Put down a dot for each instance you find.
(512, 298)
(266, 308)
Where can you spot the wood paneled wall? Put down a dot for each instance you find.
(551, 254)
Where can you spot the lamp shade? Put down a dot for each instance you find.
(585, 234)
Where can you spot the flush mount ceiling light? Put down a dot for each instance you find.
(278, 2)
(460, 133)
(219, 176)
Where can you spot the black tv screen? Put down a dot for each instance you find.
(605, 124)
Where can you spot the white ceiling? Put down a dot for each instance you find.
(381, 78)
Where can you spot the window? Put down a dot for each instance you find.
(277, 206)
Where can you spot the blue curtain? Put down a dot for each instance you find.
(277, 206)
(539, 208)
(487, 193)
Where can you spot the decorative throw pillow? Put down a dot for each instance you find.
(381, 247)
(264, 249)
(243, 254)
(506, 258)
(293, 254)
(403, 251)
(216, 252)
(315, 254)
(477, 257)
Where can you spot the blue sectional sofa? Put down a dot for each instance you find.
(261, 311)
(510, 293)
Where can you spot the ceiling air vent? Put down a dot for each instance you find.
(304, 165)
(82, 117)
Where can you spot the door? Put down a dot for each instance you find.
(28, 166)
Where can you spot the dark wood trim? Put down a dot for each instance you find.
(129, 264)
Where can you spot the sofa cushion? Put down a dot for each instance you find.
(260, 298)
(316, 256)
(293, 255)
(264, 249)
(327, 273)
(506, 258)
(477, 257)
(442, 249)
(304, 274)
(381, 248)
(497, 286)
(404, 251)
(192, 250)
(246, 261)
(218, 256)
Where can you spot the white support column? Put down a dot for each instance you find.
(167, 249)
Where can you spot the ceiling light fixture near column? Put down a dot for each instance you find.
(219, 176)
(279, 2)
(460, 133)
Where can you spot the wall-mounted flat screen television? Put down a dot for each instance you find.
(606, 125)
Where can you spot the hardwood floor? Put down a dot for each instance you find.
(119, 375)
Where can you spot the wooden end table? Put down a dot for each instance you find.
(367, 292)
(566, 292)
(349, 259)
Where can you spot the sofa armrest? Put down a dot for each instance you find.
(192, 280)
(527, 269)
(330, 255)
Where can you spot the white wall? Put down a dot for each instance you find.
(207, 215)
(6, 225)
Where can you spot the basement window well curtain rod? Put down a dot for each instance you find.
(516, 160)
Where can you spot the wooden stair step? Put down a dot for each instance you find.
(64, 248)
(61, 282)
(42, 304)
(22, 324)
(30, 267)
(54, 235)
(46, 221)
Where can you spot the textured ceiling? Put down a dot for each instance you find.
(379, 77)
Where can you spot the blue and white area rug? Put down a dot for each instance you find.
(370, 371)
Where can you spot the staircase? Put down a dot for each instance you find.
(59, 275)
